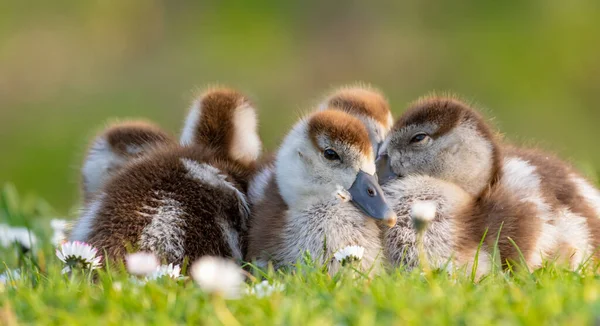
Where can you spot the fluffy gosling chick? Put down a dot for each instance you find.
(446, 139)
(182, 201)
(114, 147)
(322, 197)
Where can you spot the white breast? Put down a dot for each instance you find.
(332, 225)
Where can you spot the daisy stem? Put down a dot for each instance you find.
(423, 261)
(223, 314)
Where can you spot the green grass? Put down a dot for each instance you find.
(43, 296)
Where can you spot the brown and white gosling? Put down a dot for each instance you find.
(540, 202)
(116, 146)
(322, 197)
(182, 201)
(364, 102)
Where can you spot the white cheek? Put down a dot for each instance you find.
(344, 178)
(98, 164)
(290, 176)
(291, 172)
(246, 144)
(191, 123)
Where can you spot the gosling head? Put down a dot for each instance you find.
(444, 138)
(368, 105)
(224, 120)
(114, 147)
(329, 155)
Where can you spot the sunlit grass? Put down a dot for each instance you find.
(42, 295)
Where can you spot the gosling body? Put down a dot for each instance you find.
(182, 201)
(446, 139)
(308, 206)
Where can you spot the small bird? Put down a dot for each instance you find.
(543, 205)
(114, 147)
(323, 196)
(364, 102)
(182, 201)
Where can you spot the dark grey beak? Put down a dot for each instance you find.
(368, 196)
(384, 169)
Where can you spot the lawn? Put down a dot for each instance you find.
(42, 295)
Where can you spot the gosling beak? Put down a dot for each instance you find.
(368, 196)
(384, 169)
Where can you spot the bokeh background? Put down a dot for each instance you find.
(67, 67)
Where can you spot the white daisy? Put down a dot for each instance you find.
(219, 276)
(20, 235)
(172, 271)
(78, 254)
(59, 228)
(264, 289)
(349, 253)
(421, 213)
(142, 263)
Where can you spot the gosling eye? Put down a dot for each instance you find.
(331, 155)
(418, 138)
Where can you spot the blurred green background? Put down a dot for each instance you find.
(67, 67)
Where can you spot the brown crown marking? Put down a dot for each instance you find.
(136, 133)
(215, 127)
(365, 101)
(341, 127)
(447, 113)
(121, 138)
